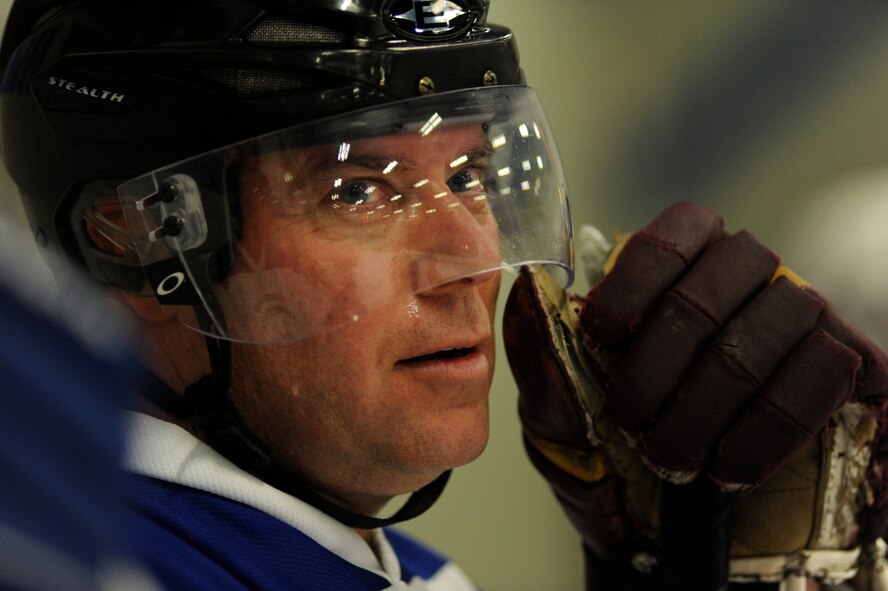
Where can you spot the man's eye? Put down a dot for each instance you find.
(357, 193)
(466, 180)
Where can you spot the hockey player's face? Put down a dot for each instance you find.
(383, 404)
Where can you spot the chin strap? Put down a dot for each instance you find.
(416, 504)
(215, 420)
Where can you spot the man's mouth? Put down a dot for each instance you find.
(442, 355)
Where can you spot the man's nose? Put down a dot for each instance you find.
(455, 240)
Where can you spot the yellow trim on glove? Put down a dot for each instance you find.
(784, 271)
(588, 466)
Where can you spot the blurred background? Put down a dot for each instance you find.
(773, 112)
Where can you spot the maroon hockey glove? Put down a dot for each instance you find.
(703, 352)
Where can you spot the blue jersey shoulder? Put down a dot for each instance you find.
(193, 539)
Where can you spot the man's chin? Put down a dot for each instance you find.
(426, 473)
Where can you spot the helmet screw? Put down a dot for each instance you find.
(426, 85)
(490, 78)
(172, 226)
(168, 192)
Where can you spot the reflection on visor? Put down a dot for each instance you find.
(302, 231)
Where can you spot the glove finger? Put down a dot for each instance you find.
(548, 401)
(723, 279)
(872, 381)
(738, 362)
(817, 377)
(647, 266)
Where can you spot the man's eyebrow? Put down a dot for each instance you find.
(476, 154)
(329, 160)
(385, 162)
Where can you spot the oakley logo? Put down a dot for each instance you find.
(90, 91)
(428, 20)
(171, 283)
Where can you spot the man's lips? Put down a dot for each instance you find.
(452, 364)
(445, 354)
(443, 349)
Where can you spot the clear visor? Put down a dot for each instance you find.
(306, 230)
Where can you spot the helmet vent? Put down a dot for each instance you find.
(255, 82)
(280, 30)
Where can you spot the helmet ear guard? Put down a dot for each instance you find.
(99, 227)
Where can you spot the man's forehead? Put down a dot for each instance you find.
(408, 150)
(434, 139)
